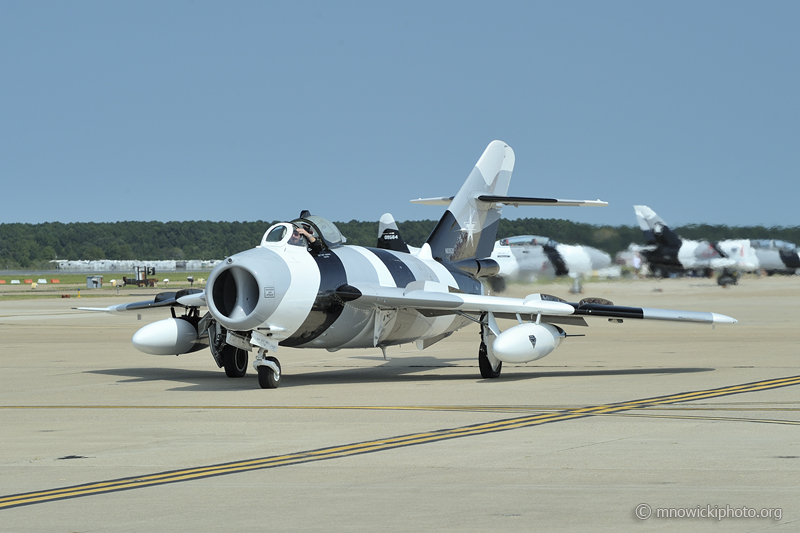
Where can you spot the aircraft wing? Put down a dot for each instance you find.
(644, 313)
(182, 298)
(430, 295)
(618, 313)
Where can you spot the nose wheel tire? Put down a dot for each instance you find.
(234, 360)
(487, 371)
(267, 377)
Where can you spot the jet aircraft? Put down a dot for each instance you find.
(283, 294)
(667, 253)
(525, 258)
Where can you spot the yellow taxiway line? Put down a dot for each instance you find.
(345, 450)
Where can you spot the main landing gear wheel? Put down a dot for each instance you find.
(234, 360)
(268, 378)
(487, 371)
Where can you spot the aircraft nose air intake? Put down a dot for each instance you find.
(235, 293)
(243, 292)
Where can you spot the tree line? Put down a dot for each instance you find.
(34, 245)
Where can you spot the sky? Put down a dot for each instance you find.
(243, 111)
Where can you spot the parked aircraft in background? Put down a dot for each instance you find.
(522, 259)
(768, 255)
(526, 258)
(667, 253)
(313, 291)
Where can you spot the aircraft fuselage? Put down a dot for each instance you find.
(302, 299)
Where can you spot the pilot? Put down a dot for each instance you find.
(304, 232)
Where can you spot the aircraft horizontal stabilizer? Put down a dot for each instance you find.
(522, 200)
(444, 200)
(516, 201)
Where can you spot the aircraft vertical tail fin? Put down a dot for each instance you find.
(468, 228)
(389, 235)
(654, 228)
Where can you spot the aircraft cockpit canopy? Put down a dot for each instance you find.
(528, 240)
(277, 234)
(285, 232)
(773, 244)
(331, 235)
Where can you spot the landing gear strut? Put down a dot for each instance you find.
(489, 365)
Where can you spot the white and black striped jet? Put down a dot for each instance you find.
(288, 292)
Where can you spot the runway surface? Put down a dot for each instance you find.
(98, 436)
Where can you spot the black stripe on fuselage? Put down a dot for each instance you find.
(790, 258)
(556, 259)
(400, 272)
(402, 275)
(328, 306)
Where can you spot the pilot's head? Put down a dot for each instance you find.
(296, 236)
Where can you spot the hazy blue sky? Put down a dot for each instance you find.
(255, 110)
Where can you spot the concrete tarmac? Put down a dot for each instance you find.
(97, 436)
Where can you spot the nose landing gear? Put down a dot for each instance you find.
(269, 370)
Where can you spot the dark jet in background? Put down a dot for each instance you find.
(667, 253)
